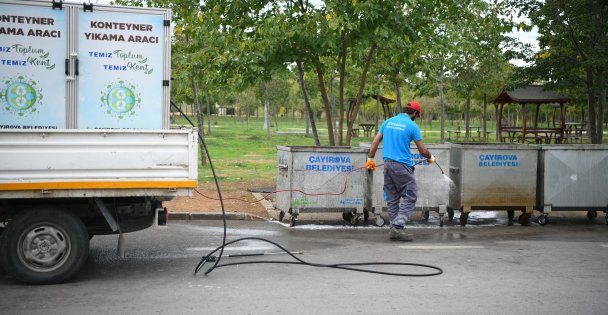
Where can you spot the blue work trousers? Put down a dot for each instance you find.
(401, 192)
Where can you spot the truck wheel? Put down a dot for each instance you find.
(44, 246)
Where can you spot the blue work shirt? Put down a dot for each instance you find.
(397, 134)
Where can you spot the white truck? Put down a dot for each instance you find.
(86, 146)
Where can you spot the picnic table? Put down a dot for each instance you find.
(546, 135)
(575, 132)
(477, 128)
(457, 132)
(534, 135)
(368, 129)
(512, 134)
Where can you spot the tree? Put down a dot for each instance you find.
(247, 101)
(573, 48)
(273, 93)
(262, 36)
(361, 27)
(477, 38)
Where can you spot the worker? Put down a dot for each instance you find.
(400, 186)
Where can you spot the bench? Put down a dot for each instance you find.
(456, 132)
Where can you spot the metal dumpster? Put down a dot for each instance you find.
(494, 177)
(433, 186)
(573, 178)
(323, 179)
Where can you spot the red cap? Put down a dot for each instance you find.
(415, 106)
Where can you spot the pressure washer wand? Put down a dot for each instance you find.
(442, 172)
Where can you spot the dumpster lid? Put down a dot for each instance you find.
(496, 146)
(343, 149)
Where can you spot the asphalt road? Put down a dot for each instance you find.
(489, 268)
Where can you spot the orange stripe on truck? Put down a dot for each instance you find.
(98, 185)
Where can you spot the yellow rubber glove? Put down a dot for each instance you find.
(431, 160)
(370, 164)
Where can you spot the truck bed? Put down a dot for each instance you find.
(97, 163)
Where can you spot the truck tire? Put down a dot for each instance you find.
(43, 246)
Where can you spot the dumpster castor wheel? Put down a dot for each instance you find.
(543, 219)
(524, 219)
(425, 215)
(450, 215)
(510, 215)
(379, 221)
(464, 217)
(347, 216)
(591, 215)
(281, 215)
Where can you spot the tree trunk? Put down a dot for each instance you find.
(307, 103)
(351, 120)
(276, 117)
(332, 102)
(441, 101)
(591, 106)
(323, 89)
(602, 108)
(200, 123)
(398, 108)
(266, 112)
(377, 110)
(485, 117)
(208, 112)
(467, 118)
(341, 88)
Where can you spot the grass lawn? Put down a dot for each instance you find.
(244, 155)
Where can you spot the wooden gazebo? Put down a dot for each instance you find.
(536, 95)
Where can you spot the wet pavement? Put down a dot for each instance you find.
(489, 267)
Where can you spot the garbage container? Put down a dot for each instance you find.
(323, 179)
(494, 177)
(573, 178)
(433, 186)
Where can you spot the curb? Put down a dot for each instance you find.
(213, 216)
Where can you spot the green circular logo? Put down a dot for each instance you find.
(21, 95)
(120, 99)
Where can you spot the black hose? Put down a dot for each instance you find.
(217, 186)
(344, 266)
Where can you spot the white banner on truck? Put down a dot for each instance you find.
(121, 70)
(33, 49)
